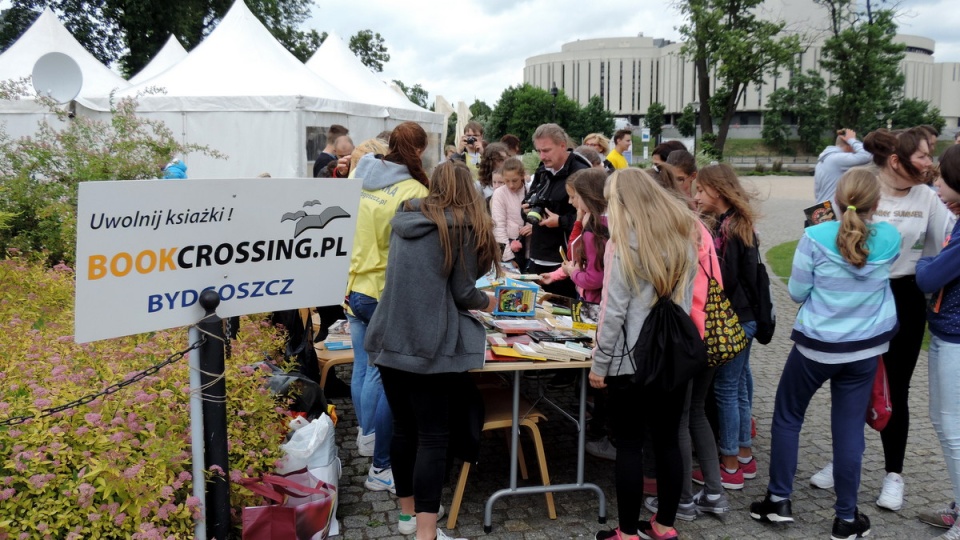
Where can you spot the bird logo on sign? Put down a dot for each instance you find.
(306, 221)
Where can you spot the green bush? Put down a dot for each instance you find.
(39, 175)
(120, 466)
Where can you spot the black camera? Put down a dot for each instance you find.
(535, 209)
(471, 140)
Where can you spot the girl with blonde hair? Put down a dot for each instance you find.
(725, 203)
(847, 317)
(652, 253)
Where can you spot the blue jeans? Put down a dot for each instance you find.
(366, 388)
(850, 387)
(733, 384)
(943, 363)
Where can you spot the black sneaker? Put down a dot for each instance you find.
(772, 512)
(858, 528)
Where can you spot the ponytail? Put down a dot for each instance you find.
(857, 193)
(407, 142)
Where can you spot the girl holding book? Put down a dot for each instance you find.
(847, 317)
(585, 263)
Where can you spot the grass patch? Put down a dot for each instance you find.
(780, 259)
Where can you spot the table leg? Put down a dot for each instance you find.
(529, 490)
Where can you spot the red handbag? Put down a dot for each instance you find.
(880, 408)
(304, 511)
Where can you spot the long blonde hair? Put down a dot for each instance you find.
(723, 179)
(453, 194)
(664, 229)
(858, 192)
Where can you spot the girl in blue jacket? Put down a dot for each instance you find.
(941, 275)
(841, 274)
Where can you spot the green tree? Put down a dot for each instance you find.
(414, 93)
(480, 109)
(40, 174)
(775, 131)
(686, 124)
(654, 120)
(371, 50)
(594, 118)
(451, 138)
(521, 109)
(864, 63)
(803, 100)
(727, 39)
(132, 31)
(914, 112)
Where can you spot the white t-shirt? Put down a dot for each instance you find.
(923, 222)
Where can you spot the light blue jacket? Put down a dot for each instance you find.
(845, 308)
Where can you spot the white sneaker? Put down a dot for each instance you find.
(365, 443)
(824, 477)
(408, 524)
(602, 448)
(381, 480)
(891, 496)
(443, 536)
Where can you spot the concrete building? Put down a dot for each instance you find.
(630, 73)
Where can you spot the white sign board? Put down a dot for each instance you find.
(645, 135)
(147, 249)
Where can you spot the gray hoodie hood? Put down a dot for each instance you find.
(378, 174)
(412, 224)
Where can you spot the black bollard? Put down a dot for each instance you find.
(215, 419)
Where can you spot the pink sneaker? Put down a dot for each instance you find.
(732, 480)
(650, 486)
(697, 477)
(749, 469)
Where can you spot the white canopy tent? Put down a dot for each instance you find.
(335, 61)
(169, 55)
(47, 34)
(244, 94)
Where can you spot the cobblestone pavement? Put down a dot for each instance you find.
(367, 514)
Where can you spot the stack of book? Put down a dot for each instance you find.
(338, 338)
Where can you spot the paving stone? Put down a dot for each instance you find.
(366, 515)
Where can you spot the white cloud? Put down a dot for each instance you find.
(470, 49)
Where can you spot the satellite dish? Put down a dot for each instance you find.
(58, 77)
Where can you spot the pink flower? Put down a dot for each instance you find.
(7, 493)
(119, 519)
(132, 471)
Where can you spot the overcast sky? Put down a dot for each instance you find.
(476, 48)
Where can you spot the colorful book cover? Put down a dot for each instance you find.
(820, 213)
(516, 299)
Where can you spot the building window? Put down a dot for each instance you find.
(603, 82)
(621, 85)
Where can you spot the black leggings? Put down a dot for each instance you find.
(900, 362)
(633, 410)
(421, 407)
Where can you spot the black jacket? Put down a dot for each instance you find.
(545, 242)
(738, 265)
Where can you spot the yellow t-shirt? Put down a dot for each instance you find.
(617, 160)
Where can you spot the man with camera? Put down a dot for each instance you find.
(547, 208)
(471, 146)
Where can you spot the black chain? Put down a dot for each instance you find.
(112, 389)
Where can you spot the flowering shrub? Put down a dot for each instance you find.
(118, 467)
(39, 175)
